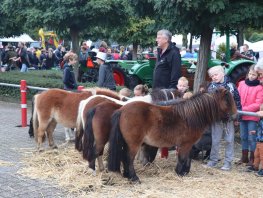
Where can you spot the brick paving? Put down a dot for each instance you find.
(13, 139)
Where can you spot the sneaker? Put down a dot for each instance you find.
(211, 164)
(260, 173)
(251, 169)
(226, 167)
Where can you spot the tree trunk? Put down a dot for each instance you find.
(203, 57)
(240, 37)
(185, 41)
(191, 43)
(75, 47)
(134, 51)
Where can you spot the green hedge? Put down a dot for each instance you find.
(38, 78)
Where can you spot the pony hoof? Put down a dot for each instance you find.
(40, 150)
(135, 180)
(54, 147)
(92, 172)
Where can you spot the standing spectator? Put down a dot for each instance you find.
(105, 72)
(10, 56)
(259, 69)
(259, 149)
(235, 54)
(122, 52)
(116, 55)
(195, 55)
(188, 54)
(109, 55)
(22, 57)
(42, 59)
(251, 95)
(50, 59)
(168, 66)
(58, 55)
(226, 126)
(68, 75)
(247, 52)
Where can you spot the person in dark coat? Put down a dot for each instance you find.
(167, 70)
(106, 79)
(68, 75)
(168, 66)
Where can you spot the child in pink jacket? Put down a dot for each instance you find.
(251, 94)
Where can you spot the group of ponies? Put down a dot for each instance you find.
(142, 123)
(94, 124)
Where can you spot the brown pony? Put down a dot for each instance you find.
(59, 106)
(95, 123)
(180, 124)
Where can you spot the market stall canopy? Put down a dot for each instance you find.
(21, 38)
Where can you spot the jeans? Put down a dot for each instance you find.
(218, 130)
(24, 68)
(248, 140)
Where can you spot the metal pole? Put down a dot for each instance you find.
(247, 113)
(23, 89)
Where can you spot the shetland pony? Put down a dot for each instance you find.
(180, 124)
(59, 106)
(97, 125)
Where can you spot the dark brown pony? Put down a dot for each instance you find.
(181, 124)
(59, 106)
(97, 125)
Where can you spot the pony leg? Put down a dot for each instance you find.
(40, 139)
(132, 174)
(147, 154)
(184, 163)
(100, 162)
(50, 129)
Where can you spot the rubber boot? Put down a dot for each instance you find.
(244, 157)
(251, 159)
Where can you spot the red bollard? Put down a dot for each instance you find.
(23, 89)
(80, 88)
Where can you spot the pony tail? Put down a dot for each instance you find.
(35, 121)
(79, 135)
(88, 140)
(116, 144)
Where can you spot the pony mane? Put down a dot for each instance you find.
(164, 94)
(198, 111)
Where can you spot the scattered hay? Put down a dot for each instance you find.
(5, 163)
(66, 168)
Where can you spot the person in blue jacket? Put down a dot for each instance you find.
(68, 75)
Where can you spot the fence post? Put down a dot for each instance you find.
(80, 87)
(23, 89)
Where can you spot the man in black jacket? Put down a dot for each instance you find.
(168, 66)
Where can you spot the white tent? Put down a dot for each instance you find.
(21, 38)
(256, 47)
(178, 39)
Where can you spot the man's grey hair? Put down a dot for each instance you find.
(259, 65)
(165, 33)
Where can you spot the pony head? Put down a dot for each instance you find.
(227, 106)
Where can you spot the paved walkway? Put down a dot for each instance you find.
(12, 139)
